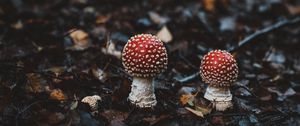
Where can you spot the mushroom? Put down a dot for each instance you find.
(219, 70)
(144, 57)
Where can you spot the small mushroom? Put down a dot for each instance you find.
(219, 70)
(144, 57)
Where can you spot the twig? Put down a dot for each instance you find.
(249, 39)
(261, 32)
(189, 78)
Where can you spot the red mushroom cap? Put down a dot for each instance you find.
(144, 55)
(219, 68)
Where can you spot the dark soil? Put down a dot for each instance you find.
(44, 74)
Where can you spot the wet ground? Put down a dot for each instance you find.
(53, 53)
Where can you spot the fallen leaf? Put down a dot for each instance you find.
(80, 39)
(57, 71)
(74, 105)
(266, 97)
(184, 99)
(294, 10)
(275, 56)
(100, 74)
(111, 50)
(198, 113)
(209, 5)
(34, 83)
(165, 35)
(18, 25)
(102, 19)
(204, 110)
(58, 94)
(282, 96)
(157, 19)
(188, 98)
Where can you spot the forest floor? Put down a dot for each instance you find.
(53, 53)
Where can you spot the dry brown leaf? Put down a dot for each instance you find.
(187, 98)
(80, 39)
(57, 71)
(294, 10)
(58, 94)
(18, 25)
(102, 19)
(34, 83)
(209, 5)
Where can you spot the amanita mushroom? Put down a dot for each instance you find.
(144, 57)
(219, 70)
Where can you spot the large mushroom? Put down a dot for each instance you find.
(219, 70)
(144, 57)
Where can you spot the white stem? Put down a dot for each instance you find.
(220, 97)
(142, 92)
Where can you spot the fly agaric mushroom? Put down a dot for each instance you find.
(144, 57)
(219, 70)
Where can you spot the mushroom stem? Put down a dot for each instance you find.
(219, 96)
(142, 92)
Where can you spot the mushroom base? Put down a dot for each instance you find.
(142, 92)
(220, 97)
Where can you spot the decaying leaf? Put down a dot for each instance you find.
(157, 19)
(100, 74)
(18, 25)
(102, 19)
(199, 110)
(80, 39)
(165, 35)
(74, 105)
(209, 5)
(56, 70)
(35, 83)
(282, 95)
(294, 10)
(198, 113)
(111, 50)
(58, 94)
(188, 98)
(204, 110)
